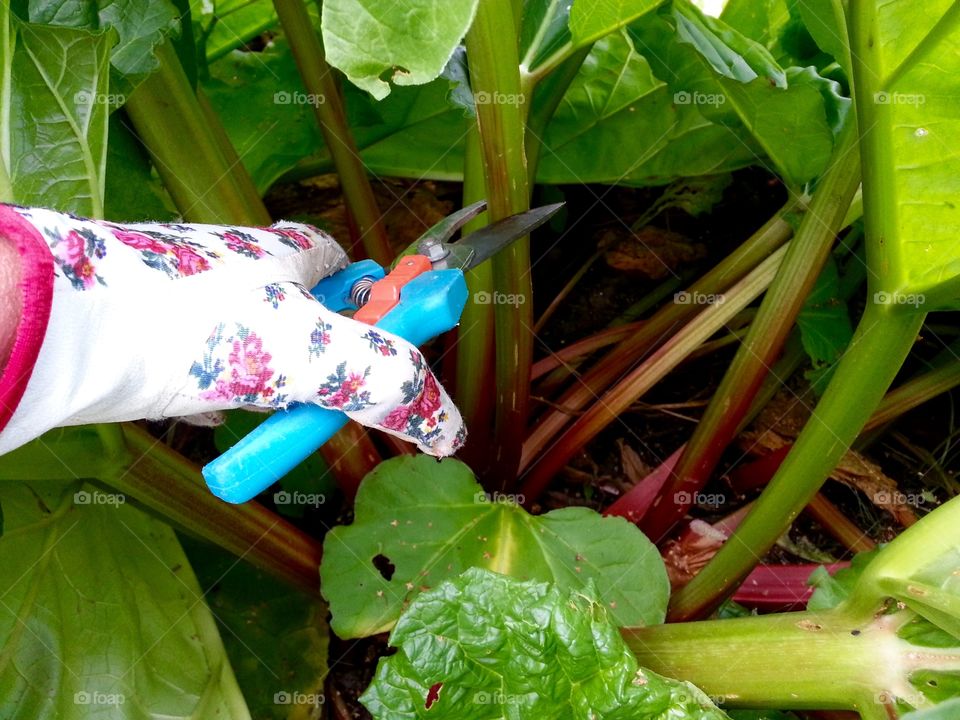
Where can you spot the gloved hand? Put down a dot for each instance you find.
(161, 320)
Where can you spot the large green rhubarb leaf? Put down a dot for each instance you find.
(793, 114)
(907, 81)
(53, 115)
(101, 615)
(140, 26)
(408, 42)
(484, 647)
(419, 522)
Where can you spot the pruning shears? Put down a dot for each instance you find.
(420, 298)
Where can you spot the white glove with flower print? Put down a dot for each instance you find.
(161, 320)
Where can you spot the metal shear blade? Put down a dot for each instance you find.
(478, 246)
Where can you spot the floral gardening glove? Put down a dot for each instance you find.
(158, 320)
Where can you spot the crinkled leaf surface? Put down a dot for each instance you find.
(53, 126)
(419, 522)
(908, 95)
(140, 26)
(793, 114)
(502, 648)
(407, 42)
(101, 615)
(276, 637)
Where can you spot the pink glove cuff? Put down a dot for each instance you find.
(36, 296)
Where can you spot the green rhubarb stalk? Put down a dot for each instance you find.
(130, 460)
(7, 42)
(837, 659)
(169, 484)
(782, 303)
(494, 73)
(177, 133)
(320, 81)
(914, 393)
(879, 346)
(475, 334)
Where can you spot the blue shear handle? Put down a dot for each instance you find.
(430, 304)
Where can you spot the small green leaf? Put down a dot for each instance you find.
(831, 590)
(484, 646)
(824, 322)
(408, 42)
(825, 21)
(419, 522)
(760, 20)
(226, 25)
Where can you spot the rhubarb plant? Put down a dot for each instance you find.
(905, 91)
(881, 638)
